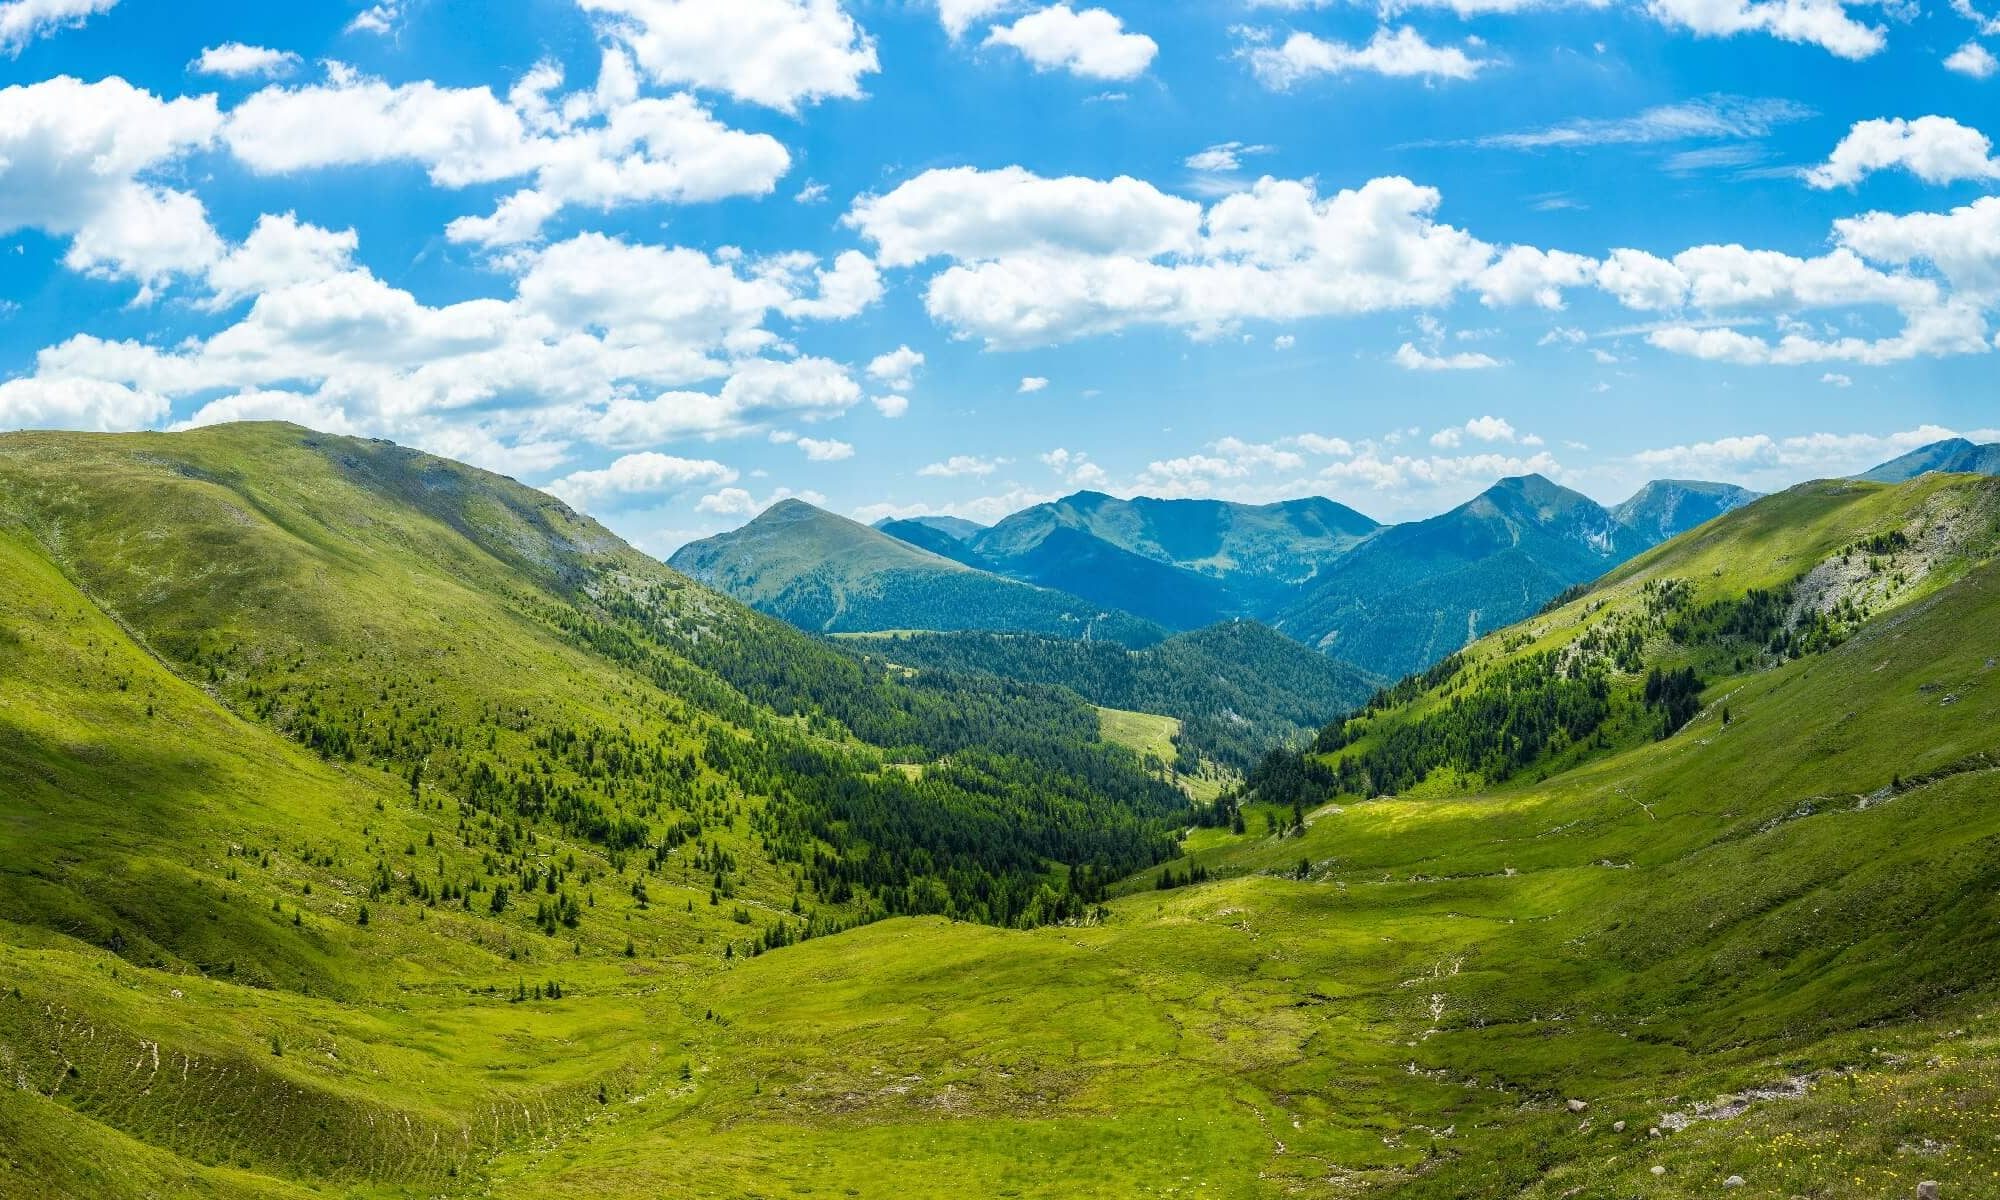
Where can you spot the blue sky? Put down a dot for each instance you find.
(674, 259)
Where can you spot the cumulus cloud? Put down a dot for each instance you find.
(777, 53)
(647, 474)
(1823, 23)
(736, 502)
(966, 213)
(1410, 358)
(825, 449)
(1934, 149)
(234, 60)
(961, 465)
(957, 16)
(1401, 52)
(77, 160)
(1761, 460)
(1972, 59)
(625, 346)
(1075, 468)
(22, 21)
(93, 404)
(1039, 260)
(1092, 43)
(379, 19)
(1032, 383)
(602, 149)
(1963, 244)
(1034, 261)
(896, 370)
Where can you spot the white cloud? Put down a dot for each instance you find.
(893, 405)
(1223, 157)
(966, 213)
(735, 502)
(1092, 43)
(896, 370)
(281, 251)
(778, 53)
(1822, 23)
(601, 340)
(74, 162)
(1410, 358)
(601, 149)
(1399, 53)
(1042, 260)
(1032, 383)
(1036, 261)
(1934, 149)
(77, 404)
(1523, 274)
(825, 450)
(22, 21)
(846, 290)
(380, 19)
(234, 60)
(959, 465)
(646, 474)
(1963, 244)
(1774, 462)
(1732, 278)
(1972, 59)
(957, 16)
(1835, 379)
(1715, 117)
(1284, 341)
(1075, 468)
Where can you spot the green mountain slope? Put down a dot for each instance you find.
(1766, 934)
(927, 534)
(1238, 688)
(1758, 949)
(337, 776)
(826, 573)
(1416, 592)
(1952, 454)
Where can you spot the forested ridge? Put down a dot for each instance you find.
(1238, 688)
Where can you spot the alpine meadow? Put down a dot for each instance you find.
(962, 599)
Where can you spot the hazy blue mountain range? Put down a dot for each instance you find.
(828, 574)
(1387, 598)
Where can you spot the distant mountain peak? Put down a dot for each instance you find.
(1953, 454)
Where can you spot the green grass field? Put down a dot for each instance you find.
(1775, 941)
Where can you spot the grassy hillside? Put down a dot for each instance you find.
(1769, 942)
(1769, 938)
(826, 573)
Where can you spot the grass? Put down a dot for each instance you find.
(1153, 738)
(190, 1007)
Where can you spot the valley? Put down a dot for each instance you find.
(562, 876)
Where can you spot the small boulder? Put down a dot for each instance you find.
(1927, 1190)
(1618, 1127)
(1733, 1181)
(1659, 1170)
(1577, 1105)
